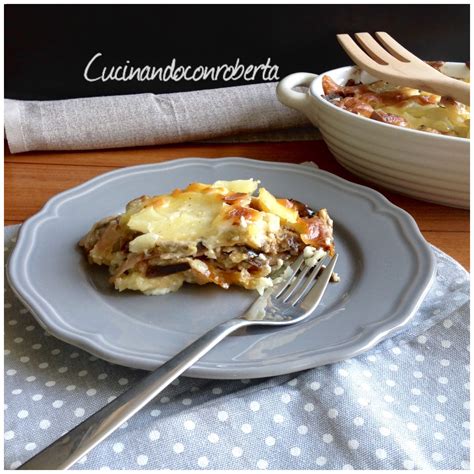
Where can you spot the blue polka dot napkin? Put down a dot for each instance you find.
(402, 405)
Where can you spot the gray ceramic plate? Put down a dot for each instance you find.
(385, 265)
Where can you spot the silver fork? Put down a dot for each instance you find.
(289, 302)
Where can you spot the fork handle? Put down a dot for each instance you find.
(458, 90)
(72, 446)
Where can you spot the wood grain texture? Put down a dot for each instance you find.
(33, 178)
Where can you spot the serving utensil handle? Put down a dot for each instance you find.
(459, 90)
(72, 446)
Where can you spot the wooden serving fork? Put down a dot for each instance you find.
(395, 64)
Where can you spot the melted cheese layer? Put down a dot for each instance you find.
(216, 215)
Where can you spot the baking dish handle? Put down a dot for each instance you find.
(294, 99)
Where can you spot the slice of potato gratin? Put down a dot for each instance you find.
(219, 233)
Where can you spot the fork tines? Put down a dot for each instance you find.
(306, 284)
(374, 52)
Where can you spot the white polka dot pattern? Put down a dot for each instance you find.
(403, 405)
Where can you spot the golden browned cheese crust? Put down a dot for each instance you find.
(401, 106)
(220, 233)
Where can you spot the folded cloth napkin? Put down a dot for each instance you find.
(402, 405)
(145, 119)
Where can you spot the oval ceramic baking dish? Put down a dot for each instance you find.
(419, 164)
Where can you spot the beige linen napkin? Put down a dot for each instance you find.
(146, 119)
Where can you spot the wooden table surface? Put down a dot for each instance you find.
(32, 178)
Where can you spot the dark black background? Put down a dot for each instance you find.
(48, 46)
